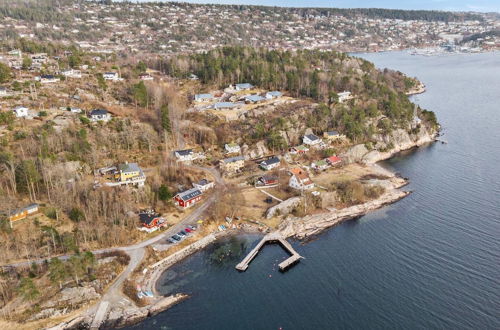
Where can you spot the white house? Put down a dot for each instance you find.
(4, 91)
(203, 97)
(311, 139)
(243, 87)
(113, 76)
(48, 79)
(203, 185)
(184, 155)
(72, 73)
(100, 115)
(344, 96)
(273, 95)
(300, 180)
(21, 112)
(270, 163)
(74, 110)
(146, 76)
(232, 148)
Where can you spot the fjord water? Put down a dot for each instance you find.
(430, 261)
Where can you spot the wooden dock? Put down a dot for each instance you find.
(271, 238)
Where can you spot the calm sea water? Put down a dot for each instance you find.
(430, 261)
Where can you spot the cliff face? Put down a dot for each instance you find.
(398, 139)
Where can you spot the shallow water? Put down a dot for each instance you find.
(429, 261)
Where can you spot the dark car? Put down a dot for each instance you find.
(176, 237)
(185, 233)
(181, 234)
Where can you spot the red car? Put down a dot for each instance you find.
(188, 230)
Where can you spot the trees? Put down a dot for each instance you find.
(164, 193)
(27, 289)
(5, 73)
(27, 62)
(165, 119)
(140, 94)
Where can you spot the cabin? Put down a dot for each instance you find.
(254, 99)
(48, 79)
(273, 95)
(99, 115)
(21, 112)
(299, 149)
(225, 105)
(184, 155)
(203, 185)
(232, 148)
(334, 160)
(268, 180)
(4, 91)
(232, 164)
(311, 139)
(151, 220)
(72, 73)
(344, 96)
(333, 135)
(188, 198)
(243, 86)
(270, 163)
(203, 97)
(23, 213)
(146, 77)
(320, 165)
(111, 76)
(300, 180)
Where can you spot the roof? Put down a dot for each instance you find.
(98, 112)
(267, 178)
(333, 159)
(274, 93)
(302, 176)
(110, 73)
(312, 137)
(20, 107)
(332, 133)
(189, 194)
(232, 145)
(147, 218)
(184, 152)
(225, 105)
(203, 182)
(26, 208)
(270, 161)
(47, 76)
(321, 162)
(244, 85)
(254, 98)
(233, 159)
(203, 96)
(129, 167)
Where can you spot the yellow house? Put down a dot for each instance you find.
(233, 164)
(24, 212)
(128, 171)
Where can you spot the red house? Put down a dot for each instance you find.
(151, 220)
(188, 198)
(268, 180)
(334, 160)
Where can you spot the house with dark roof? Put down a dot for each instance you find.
(184, 155)
(333, 135)
(203, 185)
(232, 164)
(188, 198)
(311, 139)
(151, 220)
(270, 163)
(99, 115)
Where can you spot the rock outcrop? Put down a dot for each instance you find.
(283, 208)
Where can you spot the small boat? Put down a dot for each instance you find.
(148, 294)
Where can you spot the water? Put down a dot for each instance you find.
(430, 261)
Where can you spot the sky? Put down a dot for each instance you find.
(450, 5)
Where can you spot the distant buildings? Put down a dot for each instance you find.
(232, 148)
(113, 76)
(184, 155)
(344, 96)
(188, 198)
(203, 97)
(23, 213)
(311, 139)
(270, 163)
(243, 87)
(232, 164)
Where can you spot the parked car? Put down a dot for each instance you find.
(171, 240)
(181, 234)
(193, 228)
(187, 230)
(185, 233)
(176, 237)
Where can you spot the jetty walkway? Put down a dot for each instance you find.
(271, 238)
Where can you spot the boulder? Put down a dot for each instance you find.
(283, 208)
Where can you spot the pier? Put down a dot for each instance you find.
(271, 238)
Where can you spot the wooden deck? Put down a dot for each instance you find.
(271, 238)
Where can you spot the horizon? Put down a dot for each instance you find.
(441, 5)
